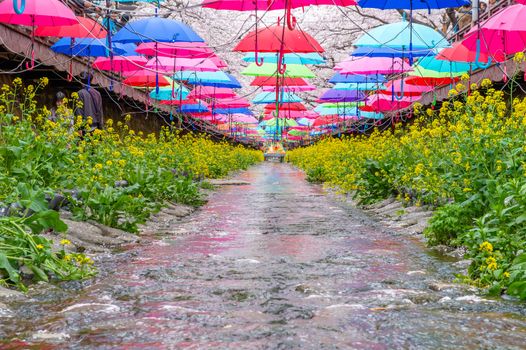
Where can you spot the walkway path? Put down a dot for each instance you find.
(275, 264)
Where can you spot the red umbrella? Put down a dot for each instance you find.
(271, 81)
(328, 119)
(85, 28)
(396, 87)
(120, 64)
(383, 103)
(278, 39)
(174, 65)
(180, 102)
(426, 81)
(460, 53)
(144, 78)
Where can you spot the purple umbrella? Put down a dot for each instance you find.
(342, 96)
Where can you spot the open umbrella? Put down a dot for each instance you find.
(156, 29)
(145, 79)
(390, 52)
(175, 49)
(212, 92)
(289, 106)
(36, 13)
(342, 96)
(289, 58)
(411, 4)
(398, 86)
(358, 86)
(460, 53)
(290, 88)
(373, 65)
(352, 78)
(173, 65)
(270, 69)
(273, 80)
(270, 97)
(84, 28)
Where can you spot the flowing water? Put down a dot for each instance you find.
(276, 264)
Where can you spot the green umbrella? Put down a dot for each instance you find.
(427, 73)
(270, 69)
(282, 122)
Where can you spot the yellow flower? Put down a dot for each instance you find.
(109, 163)
(506, 274)
(486, 246)
(65, 242)
(39, 246)
(98, 166)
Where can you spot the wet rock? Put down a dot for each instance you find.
(417, 272)
(457, 253)
(118, 236)
(228, 182)
(391, 208)
(5, 311)
(439, 286)
(424, 298)
(88, 233)
(381, 204)
(9, 294)
(178, 210)
(463, 264)
(91, 308)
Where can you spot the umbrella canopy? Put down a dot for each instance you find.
(402, 35)
(177, 49)
(383, 103)
(192, 108)
(216, 79)
(173, 65)
(270, 69)
(400, 86)
(327, 120)
(431, 63)
(412, 4)
(419, 71)
(271, 81)
(305, 121)
(179, 102)
(390, 52)
(460, 53)
(502, 34)
(289, 58)
(236, 102)
(120, 63)
(266, 5)
(84, 28)
(38, 13)
(280, 122)
(233, 110)
(270, 97)
(156, 29)
(278, 39)
(291, 88)
(430, 81)
(212, 92)
(291, 106)
(173, 91)
(285, 114)
(342, 96)
(145, 78)
(358, 86)
(373, 65)
(351, 78)
(88, 47)
(370, 115)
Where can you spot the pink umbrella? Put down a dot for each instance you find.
(178, 49)
(286, 114)
(245, 119)
(120, 64)
(373, 65)
(502, 34)
(37, 13)
(237, 102)
(84, 28)
(264, 5)
(383, 103)
(211, 92)
(173, 65)
(399, 88)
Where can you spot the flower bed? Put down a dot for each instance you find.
(467, 159)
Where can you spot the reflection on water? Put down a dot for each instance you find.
(271, 265)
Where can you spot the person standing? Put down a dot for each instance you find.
(91, 103)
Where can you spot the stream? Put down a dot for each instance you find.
(274, 264)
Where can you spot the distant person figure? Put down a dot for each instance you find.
(464, 17)
(483, 7)
(57, 102)
(91, 103)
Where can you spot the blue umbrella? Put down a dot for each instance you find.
(233, 83)
(390, 52)
(403, 36)
(270, 97)
(411, 4)
(342, 96)
(156, 29)
(355, 78)
(239, 110)
(85, 47)
(197, 108)
(370, 115)
(165, 94)
(289, 58)
(195, 78)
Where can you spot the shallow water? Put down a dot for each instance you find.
(276, 264)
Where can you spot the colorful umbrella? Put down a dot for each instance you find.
(273, 80)
(373, 65)
(292, 106)
(460, 53)
(84, 28)
(289, 58)
(270, 97)
(433, 64)
(350, 78)
(342, 96)
(267, 5)
(399, 86)
(212, 92)
(174, 65)
(237, 102)
(38, 13)
(145, 78)
(87, 47)
(358, 86)
(390, 52)
(412, 4)
(156, 29)
(270, 69)
(290, 88)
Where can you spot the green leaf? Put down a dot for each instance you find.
(14, 276)
(518, 289)
(39, 273)
(45, 220)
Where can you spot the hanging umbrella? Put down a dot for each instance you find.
(238, 110)
(327, 120)
(145, 78)
(290, 88)
(342, 96)
(412, 4)
(172, 92)
(390, 52)
(38, 13)
(120, 64)
(291, 106)
(305, 121)
(212, 92)
(398, 86)
(358, 86)
(285, 114)
(266, 5)
(430, 81)
(175, 49)
(173, 65)
(156, 29)
(237, 102)
(373, 65)
(419, 71)
(402, 36)
(351, 78)
(460, 53)
(370, 115)
(289, 58)
(502, 34)
(192, 108)
(270, 39)
(431, 63)
(270, 69)
(282, 122)
(270, 97)
(179, 102)
(273, 80)
(84, 28)
(383, 103)
(87, 47)
(217, 79)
